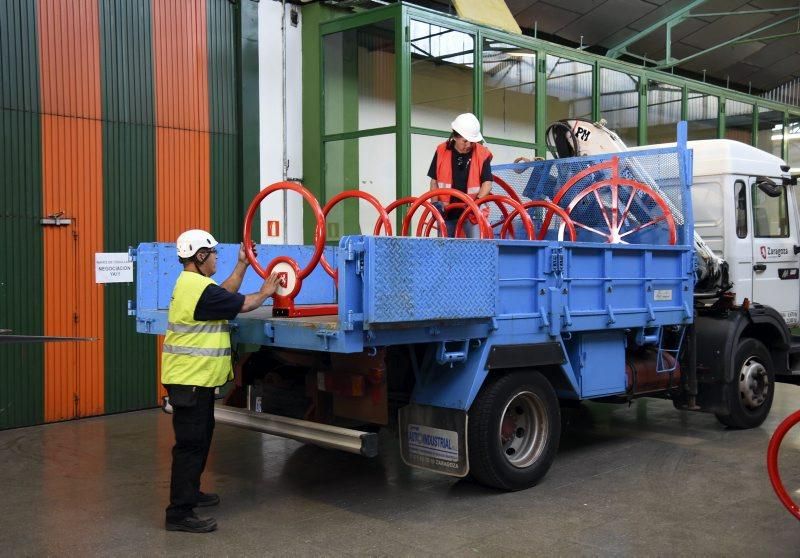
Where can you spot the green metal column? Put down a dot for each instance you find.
(21, 241)
(247, 110)
(127, 95)
(403, 108)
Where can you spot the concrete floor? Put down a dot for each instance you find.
(645, 480)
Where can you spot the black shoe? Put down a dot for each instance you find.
(205, 500)
(192, 524)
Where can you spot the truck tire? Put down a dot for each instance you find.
(513, 430)
(750, 394)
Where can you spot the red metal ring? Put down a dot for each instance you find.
(319, 232)
(499, 201)
(486, 230)
(429, 209)
(552, 208)
(383, 218)
(772, 463)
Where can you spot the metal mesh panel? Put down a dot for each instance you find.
(633, 197)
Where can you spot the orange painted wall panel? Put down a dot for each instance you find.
(72, 184)
(72, 177)
(181, 64)
(69, 57)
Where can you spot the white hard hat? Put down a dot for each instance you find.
(191, 241)
(467, 127)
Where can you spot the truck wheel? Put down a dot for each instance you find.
(749, 395)
(514, 429)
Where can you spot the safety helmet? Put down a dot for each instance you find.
(467, 127)
(191, 241)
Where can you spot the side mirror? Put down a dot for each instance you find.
(769, 187)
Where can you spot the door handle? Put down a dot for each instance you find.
(796, 249)
(760, 267)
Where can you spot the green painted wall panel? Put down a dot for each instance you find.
(126, 72)
(19, 67)
(130, 218)
(221, 41)
(21, 275)
(226, 180)
(126, 61)
(226, 222)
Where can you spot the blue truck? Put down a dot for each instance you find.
(469, 348)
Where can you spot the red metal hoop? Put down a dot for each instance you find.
(772, 463)
(429, 210)
(383, 219)
(551, 208)
(319, 232)
(486, 230)
(499, 201)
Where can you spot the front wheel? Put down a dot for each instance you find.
(749, 395)
(514, 430)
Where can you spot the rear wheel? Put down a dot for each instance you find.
(750, 394)
(513, 431)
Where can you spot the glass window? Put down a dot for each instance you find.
(509, 91)
(366, 164)
(569, 89)
(358, 79)
(739, 121)
(702, 115)
(442, 65)
(770, 214)
(793, 141)
(770, 131)
(740, 192)
(619, 104)
(663, 111)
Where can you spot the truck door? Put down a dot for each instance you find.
(776, 268)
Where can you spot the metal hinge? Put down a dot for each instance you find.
(56, 220)
(556, 261)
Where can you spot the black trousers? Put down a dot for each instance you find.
(193, 423)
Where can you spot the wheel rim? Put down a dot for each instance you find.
(524, 429)
(753, 383)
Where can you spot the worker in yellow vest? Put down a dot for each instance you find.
(196, 359)
(462, 163)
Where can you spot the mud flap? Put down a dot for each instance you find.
(434, 438)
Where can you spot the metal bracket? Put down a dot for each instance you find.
(132, 253)
(131, 308)
(556, 261)
(443, 356)
(56, 220)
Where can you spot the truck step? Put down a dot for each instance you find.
(324, 435)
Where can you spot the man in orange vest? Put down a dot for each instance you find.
(464, 164)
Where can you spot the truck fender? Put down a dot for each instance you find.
(719, 335)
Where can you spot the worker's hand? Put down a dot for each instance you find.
(440, 208)
(271, 284)
(243, 254)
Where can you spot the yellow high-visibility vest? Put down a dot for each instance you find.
(195, 353)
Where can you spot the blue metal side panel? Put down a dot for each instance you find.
(414, 279)
(523, 277)
(318, 287)
(598, 359)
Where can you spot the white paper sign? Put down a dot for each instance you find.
(113, 267)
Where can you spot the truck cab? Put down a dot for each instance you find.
(748, 217)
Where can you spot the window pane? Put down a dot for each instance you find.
(770, 216)
(741, 209)
(359, 68)
(739, 121)
(702, 114)
(619, 104)
(569, 89)
(509, 91)
(663, 111)
(793, 139)
(366, 164)
(442, 65)
(770, 131)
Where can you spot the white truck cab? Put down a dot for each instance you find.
(749, 218)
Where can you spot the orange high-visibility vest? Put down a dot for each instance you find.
(444, 171)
